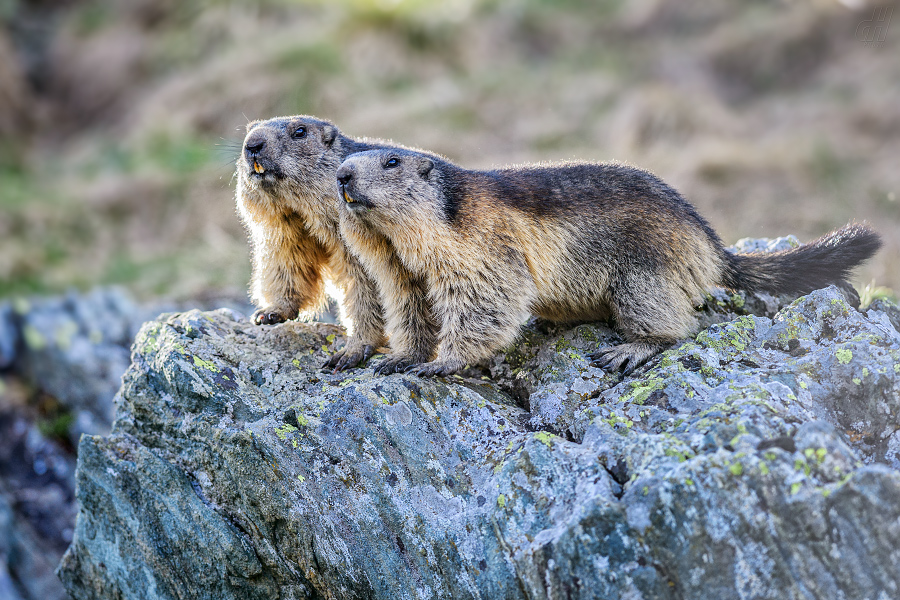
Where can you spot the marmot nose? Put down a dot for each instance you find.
(344, 175)
(255, 144)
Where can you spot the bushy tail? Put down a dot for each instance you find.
(827, 260)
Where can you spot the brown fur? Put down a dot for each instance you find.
(292, 220)
(569, 242)
(410, 321)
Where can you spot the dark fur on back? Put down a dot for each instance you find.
(570, 188)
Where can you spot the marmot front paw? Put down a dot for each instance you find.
(269, 316)
(349, 357)
(395, 363)
(438, 368)
(624, 357)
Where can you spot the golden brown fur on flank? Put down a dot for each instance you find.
(285, 197)
(567, 242)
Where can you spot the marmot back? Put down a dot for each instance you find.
(574, 241)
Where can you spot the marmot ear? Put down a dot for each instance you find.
(329, 134)
(425, 166)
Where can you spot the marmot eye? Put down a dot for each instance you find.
(390, 164)
(299, 133)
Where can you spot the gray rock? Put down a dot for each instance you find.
(9, 336)
(756, 461)
(747, 245)
(25, 569)
(37, 508)
(8, 588)
(75, 348)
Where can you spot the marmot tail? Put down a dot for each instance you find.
(827, 260)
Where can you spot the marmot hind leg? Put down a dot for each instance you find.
(626, 357)
(651, 315)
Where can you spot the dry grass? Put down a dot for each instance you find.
(772, 118)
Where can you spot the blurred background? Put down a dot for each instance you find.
(120, 121)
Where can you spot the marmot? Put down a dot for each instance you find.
(566, 242)
(285, 197)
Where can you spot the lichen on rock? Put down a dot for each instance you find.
(748, 460)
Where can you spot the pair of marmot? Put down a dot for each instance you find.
(286, 197)
(450, 262)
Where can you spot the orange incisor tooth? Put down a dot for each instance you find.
(347, 197)
(258, 167)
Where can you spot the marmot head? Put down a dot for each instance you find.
(287, 157)
(392, 187)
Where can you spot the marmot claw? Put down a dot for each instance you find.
(393, 364)
(268, 316)
(349, 358)
(434, 368)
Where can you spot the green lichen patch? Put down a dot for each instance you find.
(562, 344)
(34, 339)
(800, 464)
(844, 355)
(148, 338)
(682, 454)
(544, 438)
(283, 431)
(728, 339)
(587, 333)
(642, 388)
(619, 423)
(205, 364)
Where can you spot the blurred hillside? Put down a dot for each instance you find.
(120, 119)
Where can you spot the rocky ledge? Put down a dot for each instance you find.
(758, 460)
